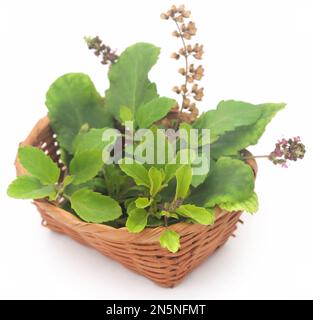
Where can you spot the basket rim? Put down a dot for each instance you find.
(69, 219)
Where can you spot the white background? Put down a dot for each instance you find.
(256, 51)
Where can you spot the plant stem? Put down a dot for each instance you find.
(256, 157)
(66, 196)
(165, 221)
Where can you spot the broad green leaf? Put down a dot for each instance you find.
(153, 111)
(174, 215)
(170, 171)
(229, 181)
(183, 178)
(95, 184)
(26, 187)
(115, 179)
(129, 82)
(85, 165)
(130, 206)
(137, 220)
(155, 178)
(73, 102)
(169, 240)
(126, 114)
(228, 116)
(198, 214)
(93, 140)
(233, 142)
(207, 165)
(198, 179)
(67, 181)
(183, 157)
(154, 221)
(138, 172)
(169, 214)
(251, 205)
(143, 202)
(39, 165)
(94, 207)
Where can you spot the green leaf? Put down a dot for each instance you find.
(183, 157)
(130, 206)
(95, 184)
(169, 214)
(73, 102)
(39, 165)
(183, 178)
(26, 187)
(233, 142)
(137, 220)
(155, 178)
(229, 181)
(67, 181)
(129, 83)
(92, 140)
(251, 205)
(85, 165)
(153, 111)
(115, 179)
(138, 172)
(198, 179)
(228, 116)
(154, 221)
(143, 202)
(94, 207)
(126, 114)
(169, 240)
(198, 214)
(170, 171)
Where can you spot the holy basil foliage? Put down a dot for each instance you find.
(136, 195)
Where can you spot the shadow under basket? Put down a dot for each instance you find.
(139, 252)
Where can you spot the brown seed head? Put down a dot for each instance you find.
(176, 90)
(191, 27)
(182, 71)
(181, 8)
(187, 35)
(164, 16)
(182, 51)
(175, 55)
(199, 72)
(186, 14)
(184, 89)
(180, 18)
(199, 94)
(186, 29)
(189, 48)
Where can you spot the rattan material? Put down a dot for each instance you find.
(139, 252)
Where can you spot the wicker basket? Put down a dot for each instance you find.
(139, 252)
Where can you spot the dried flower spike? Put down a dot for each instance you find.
(108, 56)
(186, 30)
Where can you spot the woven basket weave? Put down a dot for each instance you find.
(139, 252)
